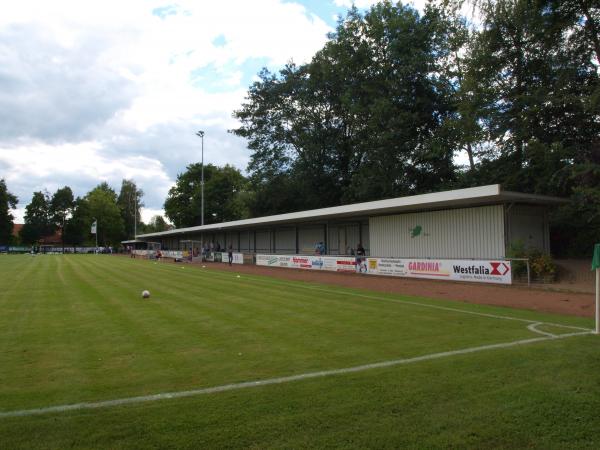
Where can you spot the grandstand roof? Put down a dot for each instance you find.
(458, 198)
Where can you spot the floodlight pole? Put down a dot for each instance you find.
(597, 300)
(135, 217)
(596, 267)
(96, 234)
(201, 134)
(135, 204)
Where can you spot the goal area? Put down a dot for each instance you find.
(152, 248)
(191, 249)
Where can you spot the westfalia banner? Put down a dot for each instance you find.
(479, 271)
(332, 263)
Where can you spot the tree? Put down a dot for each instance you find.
(130, 202)
(8, 201)
(533, 79)
(224, 194)
(102, 206)
(77, 227)
(157, 224)
(361, 120)
(61, 206)
(38, 223)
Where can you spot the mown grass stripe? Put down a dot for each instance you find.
(279, 380)
(334, 291)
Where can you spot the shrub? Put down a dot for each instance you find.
(541, 264)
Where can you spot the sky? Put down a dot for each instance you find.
(94, 91)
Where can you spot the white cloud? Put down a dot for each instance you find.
(102, 90)
(148, 213)
(80, 166)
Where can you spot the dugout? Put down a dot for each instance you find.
(479, 222)
(136, 244)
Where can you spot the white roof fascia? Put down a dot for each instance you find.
(422, 201)
(476, 196)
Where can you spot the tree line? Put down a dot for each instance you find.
(227, 197)
(117, 216)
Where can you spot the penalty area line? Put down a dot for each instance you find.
(279, 380)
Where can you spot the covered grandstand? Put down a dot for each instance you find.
(472, 223)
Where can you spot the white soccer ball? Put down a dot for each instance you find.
(145, 294)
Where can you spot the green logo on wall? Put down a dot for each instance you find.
(416, 231)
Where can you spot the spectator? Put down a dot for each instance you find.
(230, 254)
(360, 258)
(322, 249)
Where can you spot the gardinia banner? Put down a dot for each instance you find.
(479, 271)
(332, 263)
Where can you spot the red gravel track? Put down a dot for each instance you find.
(537, 299)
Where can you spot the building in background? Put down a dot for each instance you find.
(473, 223)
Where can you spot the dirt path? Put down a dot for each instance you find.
(516, 297)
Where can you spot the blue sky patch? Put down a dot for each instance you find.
(326, 10)
(164, 11)
(215, 79)
(219, 41)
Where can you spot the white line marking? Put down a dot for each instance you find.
(426, 305)
(446, 308)
(280, 380)
(533, 327)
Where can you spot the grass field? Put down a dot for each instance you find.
(74, 330)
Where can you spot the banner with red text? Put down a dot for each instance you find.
(331, 263)
(479, 271)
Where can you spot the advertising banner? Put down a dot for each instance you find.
(330, 263)
(176, 254)
(478, 271)
(238, 258)
(19, 249)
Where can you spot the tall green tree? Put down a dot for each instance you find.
(102, 204)
(534, 83)
(157, 224)
(130, 202)
(361, 120)
(224, 196)
(8, 201)
(61, 206)
(38, 221)
(533, 73)
(77, 226)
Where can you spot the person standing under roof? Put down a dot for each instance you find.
(360, 258)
